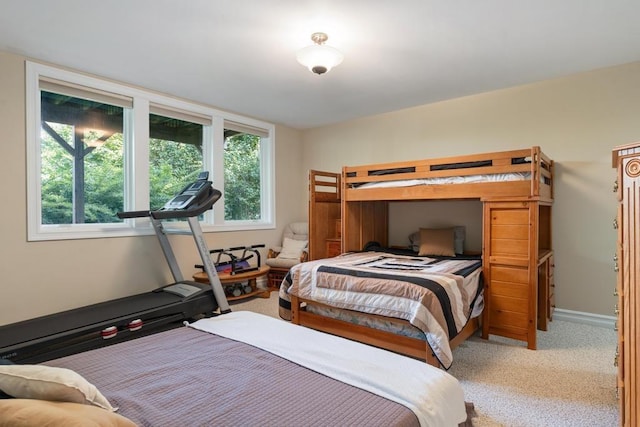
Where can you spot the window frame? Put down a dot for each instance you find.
(136, 161)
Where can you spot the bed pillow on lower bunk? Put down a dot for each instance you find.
(459, 233)
(436, 242)
(49, 383)
(32, 413)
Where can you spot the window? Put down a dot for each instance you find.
(96, 148)
(81, 151)
(175, 152)
(242, 172)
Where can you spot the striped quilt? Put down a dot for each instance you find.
(434, 295)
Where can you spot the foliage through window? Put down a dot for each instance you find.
(242, 176)
(82, 165)
(97, 148)
(175, 157)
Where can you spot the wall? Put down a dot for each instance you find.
(576, 120)
(39, 278)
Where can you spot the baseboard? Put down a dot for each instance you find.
(592, 319)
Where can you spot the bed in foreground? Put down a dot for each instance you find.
(233, 370)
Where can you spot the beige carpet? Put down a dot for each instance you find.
(569, 381)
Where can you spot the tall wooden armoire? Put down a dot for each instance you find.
(626, 159)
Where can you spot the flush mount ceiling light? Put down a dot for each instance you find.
(319, 58)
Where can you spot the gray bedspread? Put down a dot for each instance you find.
(185, 377)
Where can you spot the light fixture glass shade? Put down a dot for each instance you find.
(319, 58)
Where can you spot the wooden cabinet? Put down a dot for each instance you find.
(334, 247)
(324, 212)
(546, 289)
(626, 159)
(518, 269)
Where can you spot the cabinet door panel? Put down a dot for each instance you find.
(509, 289)
(517, 216)
(520, 232)
(511, 247)
(508, 304)
(510, 274)
(508, 319)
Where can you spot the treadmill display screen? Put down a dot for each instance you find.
(196, 186)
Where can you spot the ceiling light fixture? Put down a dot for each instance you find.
(319, 58)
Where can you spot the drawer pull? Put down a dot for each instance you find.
(615, 186)
(616, 268)
(616, 310)
(615, 326)
(615, 358)
(615, 223)
(615, 258)
(615, 292)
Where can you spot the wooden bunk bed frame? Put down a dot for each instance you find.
(517, 245)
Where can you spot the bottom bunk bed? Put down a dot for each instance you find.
(420, 306)
(239, 368)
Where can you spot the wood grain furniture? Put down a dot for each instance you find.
(626, 159)
(231, 279)
(275, 277)
(334, 247)
(324, 213)
(516, 188)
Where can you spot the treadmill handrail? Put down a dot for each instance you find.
(133, 214)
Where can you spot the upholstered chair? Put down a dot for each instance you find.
(294, 250)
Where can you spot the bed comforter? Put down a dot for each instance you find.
(234, 369)
(432, 294)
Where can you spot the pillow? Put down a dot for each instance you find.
(4, 395)
(459, 232)
(49, 383)
(437, 242)
(292, 249)
(32, 413)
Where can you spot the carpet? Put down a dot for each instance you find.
(568, 381)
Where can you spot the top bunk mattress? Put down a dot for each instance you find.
(468, 179)
(516, 173)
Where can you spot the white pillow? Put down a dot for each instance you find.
(50, 383)
(292, 249)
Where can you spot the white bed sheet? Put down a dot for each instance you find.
(433, 395)
(495, 177)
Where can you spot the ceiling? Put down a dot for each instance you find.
(239, 55)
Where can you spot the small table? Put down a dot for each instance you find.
(230, 279)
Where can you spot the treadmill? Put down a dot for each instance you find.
(98, 325)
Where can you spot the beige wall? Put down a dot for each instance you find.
(576, 120)
(39, 278)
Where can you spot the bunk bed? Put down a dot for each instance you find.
(516, 190)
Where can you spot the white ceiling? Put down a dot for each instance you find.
(239, 55)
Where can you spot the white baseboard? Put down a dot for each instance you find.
(592, 319)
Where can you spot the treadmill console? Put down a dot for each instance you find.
(190, 194)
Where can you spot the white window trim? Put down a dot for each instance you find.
(136, 160)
